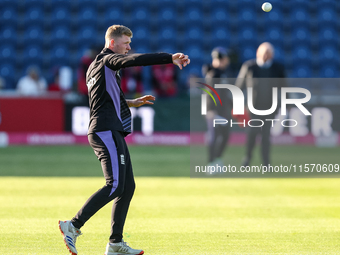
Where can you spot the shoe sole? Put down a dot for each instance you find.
(141, 253)
(65, 240)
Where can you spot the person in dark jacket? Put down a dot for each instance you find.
(218, 136)
(250, 75)
(110, 122)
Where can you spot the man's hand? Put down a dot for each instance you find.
(180, 60)
(140, 101)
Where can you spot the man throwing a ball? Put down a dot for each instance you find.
(110, 122)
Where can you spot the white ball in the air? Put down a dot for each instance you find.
(267, 7)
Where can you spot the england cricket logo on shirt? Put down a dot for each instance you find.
(91, 82)
(122, 159)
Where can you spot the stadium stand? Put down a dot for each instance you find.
(50, 32)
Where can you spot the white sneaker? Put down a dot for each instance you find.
(120, 249)
(216, 163)
(70, 235)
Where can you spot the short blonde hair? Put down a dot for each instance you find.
(116, 31)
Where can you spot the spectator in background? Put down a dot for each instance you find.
(132, 81)
(164, 80)
(32, 84)
(262, 67)
(85, 62)
(55, 85)
(218, 136)
(62, 79)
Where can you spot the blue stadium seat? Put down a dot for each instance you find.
(329, 71)
(60, 55)
(327, 36)
(34, 16)
(140, 15)
(326, 17)
(87, 16)
(219, 16)
(193, 34)
(301, 35)
(166, 16)
(247, 35)
(247, 52)
(33, 54)
(301, 55)
(302, 71)
(141, 34)
(7, 53)
(8, 35)
(274, 35)
(167, 35)
(61, 16)
(220, 36)
(193, 16)
(274, 18)
(195, 52)
(141, 48)
(60, 34)
(168, 48)
(33, 35)
(300, 17)
(247, 16)
(328, 54)
(9, 15)
(113, 15)
(87, 34)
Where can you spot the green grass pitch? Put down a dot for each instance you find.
(170, 212)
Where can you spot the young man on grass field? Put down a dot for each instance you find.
(110, 122)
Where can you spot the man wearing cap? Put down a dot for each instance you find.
(218, 136)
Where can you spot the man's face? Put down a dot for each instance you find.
(264, 53)
(121, 45)
(34, 75)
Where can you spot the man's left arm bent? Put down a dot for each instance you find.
(140, 101)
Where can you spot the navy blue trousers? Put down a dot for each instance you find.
(111, 149)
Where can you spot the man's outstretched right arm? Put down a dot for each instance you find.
(118, 61)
